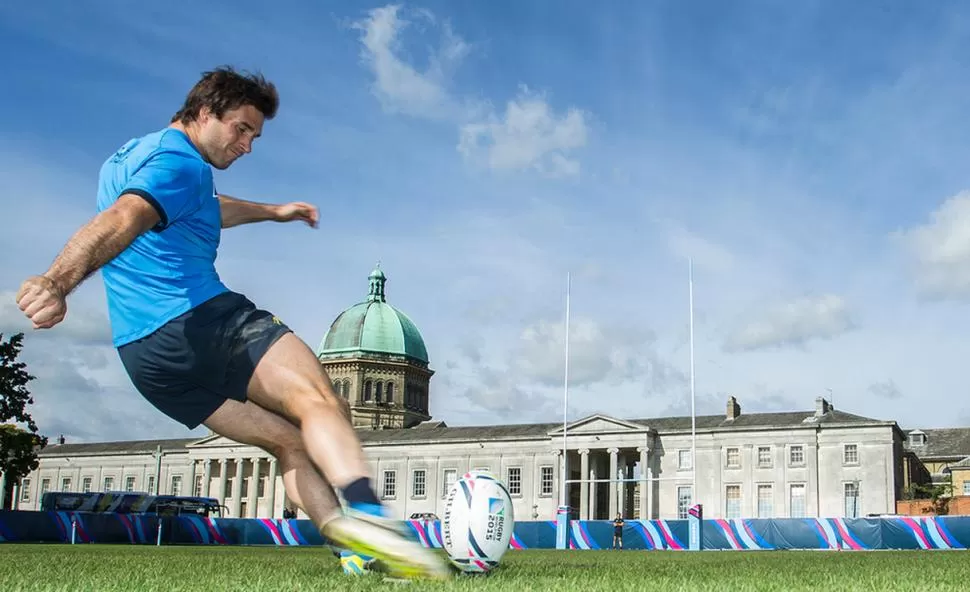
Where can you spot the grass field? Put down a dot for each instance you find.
(258, 569)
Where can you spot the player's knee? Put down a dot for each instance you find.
(313, 403)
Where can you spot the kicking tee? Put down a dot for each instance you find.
(170, 269)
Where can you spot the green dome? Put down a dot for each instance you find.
(374, 327)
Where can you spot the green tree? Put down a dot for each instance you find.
(18, 446)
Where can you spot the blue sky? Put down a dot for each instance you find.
(810, 158)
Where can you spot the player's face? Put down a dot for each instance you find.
(227, 139)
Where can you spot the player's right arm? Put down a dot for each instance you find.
(165, 189)
(43, 298)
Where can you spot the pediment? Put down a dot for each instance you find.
(214, 441)
(599, 424)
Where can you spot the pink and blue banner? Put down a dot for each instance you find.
(845, 534)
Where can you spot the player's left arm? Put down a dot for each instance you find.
(237, 211)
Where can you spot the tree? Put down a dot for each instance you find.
(18, 447)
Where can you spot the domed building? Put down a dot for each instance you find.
(801, 463)
(377, 360)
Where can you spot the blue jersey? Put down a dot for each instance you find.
(171, 268)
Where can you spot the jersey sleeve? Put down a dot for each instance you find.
(172, 183)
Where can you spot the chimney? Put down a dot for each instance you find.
(733, 408)
(822, 406)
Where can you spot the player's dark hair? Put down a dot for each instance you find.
(224, 89)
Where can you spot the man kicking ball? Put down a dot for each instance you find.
(196, 350)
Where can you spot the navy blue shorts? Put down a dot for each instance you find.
(195, 362)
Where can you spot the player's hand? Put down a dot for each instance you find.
(41, 300)
(298, 210)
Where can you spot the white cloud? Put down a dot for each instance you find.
(398, 85)
(597, 352)
(885, 390)
(940, 250)
(704, 252)
(793, 323)
(528, 136)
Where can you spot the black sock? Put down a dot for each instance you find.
(360, 492)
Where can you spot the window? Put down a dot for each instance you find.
(25, 490)
(732, 501)
(176, 484)
(66, 484)
(684, 460)
(419, 483)
(198, 486)
(45, 486)
(227, 493)
(514, 480)
(367, 391)
(451, 476)
(797, 500)
(86, 485)
(390, 484)
(684, 499)
(966, 488)
(109, 483)
(917, 438)
(733, 458)
(764, 457)
(151, 484)
(129, 483)
(850, 454)
(796, 455)
(260, 486)
(851, 499)
(765, 506)
(545, 481)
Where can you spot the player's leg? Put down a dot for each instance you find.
(289, 380)
(307, 489)
(249, 423)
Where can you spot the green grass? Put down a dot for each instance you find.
(258, 569)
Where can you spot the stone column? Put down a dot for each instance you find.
(613, 489)
(271, 487)
(645, 482)
(207, 477)
(253, 487)
(237, 489)
(3, 485)
(223, 470)
(592, 494)
(584, 486)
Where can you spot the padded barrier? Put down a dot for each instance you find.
(895, 532)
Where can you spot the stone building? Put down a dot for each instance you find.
(815, 462)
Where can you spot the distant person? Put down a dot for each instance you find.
(618, 532)
(196, 350)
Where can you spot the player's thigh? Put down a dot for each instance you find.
(289, 380)
(248, 423)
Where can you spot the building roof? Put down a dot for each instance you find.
(438, 431)
(120, 447)
(942, 443)
(373, 327)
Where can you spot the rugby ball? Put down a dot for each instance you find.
(478, 521)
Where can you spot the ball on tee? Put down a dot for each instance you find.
(478, 522)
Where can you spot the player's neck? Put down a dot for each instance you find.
(192, 132)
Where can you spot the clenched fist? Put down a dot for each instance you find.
(41, 300)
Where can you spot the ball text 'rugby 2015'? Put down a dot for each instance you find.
(478, 522)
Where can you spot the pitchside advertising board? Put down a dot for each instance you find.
(695, 527)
